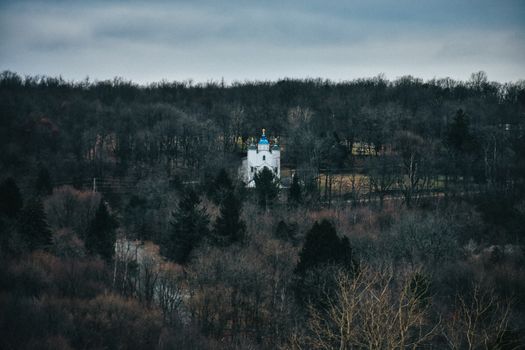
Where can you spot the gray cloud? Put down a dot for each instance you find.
(241, 40)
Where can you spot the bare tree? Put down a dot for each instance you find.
(412, 150)
(169, 290)
(71, 208)
(478, 322)
(382, 175)
(370, 311)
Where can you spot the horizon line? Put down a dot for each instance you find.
(191, 82)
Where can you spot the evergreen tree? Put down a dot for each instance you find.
(295, 195)
(463, 147)
(229, 228)
(322, 255)
(10, 198)
(323, 246)
(285, 231)
(32, 225)
(43, 184)
(266, 186)
(220, 187)
(459, 138)
(189, 226)
(101, 236)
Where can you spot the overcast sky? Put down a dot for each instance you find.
(263, 40)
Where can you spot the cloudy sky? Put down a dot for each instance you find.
(203, 40)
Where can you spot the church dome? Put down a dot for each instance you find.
(263, 140)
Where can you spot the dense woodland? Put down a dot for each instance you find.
(398, 222)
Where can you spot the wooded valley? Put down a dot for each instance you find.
(398, 221)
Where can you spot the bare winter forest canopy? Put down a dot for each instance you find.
(398, 221)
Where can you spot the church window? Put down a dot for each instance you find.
(251, 169)
(264, 157)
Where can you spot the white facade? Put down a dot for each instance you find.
(261, 156)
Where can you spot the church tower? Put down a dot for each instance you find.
(262, 156)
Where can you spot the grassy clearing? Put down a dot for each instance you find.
(346, 183)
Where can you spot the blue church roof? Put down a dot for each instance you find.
(263, 140)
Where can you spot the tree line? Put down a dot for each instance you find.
(400, 224)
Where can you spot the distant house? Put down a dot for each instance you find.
(260, 156)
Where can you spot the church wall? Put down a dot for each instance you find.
(258, 159)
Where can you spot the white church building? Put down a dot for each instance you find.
(259, 157)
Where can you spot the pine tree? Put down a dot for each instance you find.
(463, 146)
(266, 186)
(285, 231)
(189, 226)
(229, 228)
(295, 195)
(458, 135)
(43, 184)
(220, 187)
(101, 236)
(322, 246)
(32, 225)
(10, 198)
(322, 256)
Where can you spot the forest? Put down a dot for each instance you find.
(398, 221)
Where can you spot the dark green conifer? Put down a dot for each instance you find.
(323, 255)
(295, 195)
(10, 198)
(32, 225)
(101, 234)
(286, 232)
(323, 246)
(189, 226)
(43, 184)
(266, 186)
(220, 187)
(229, 228)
